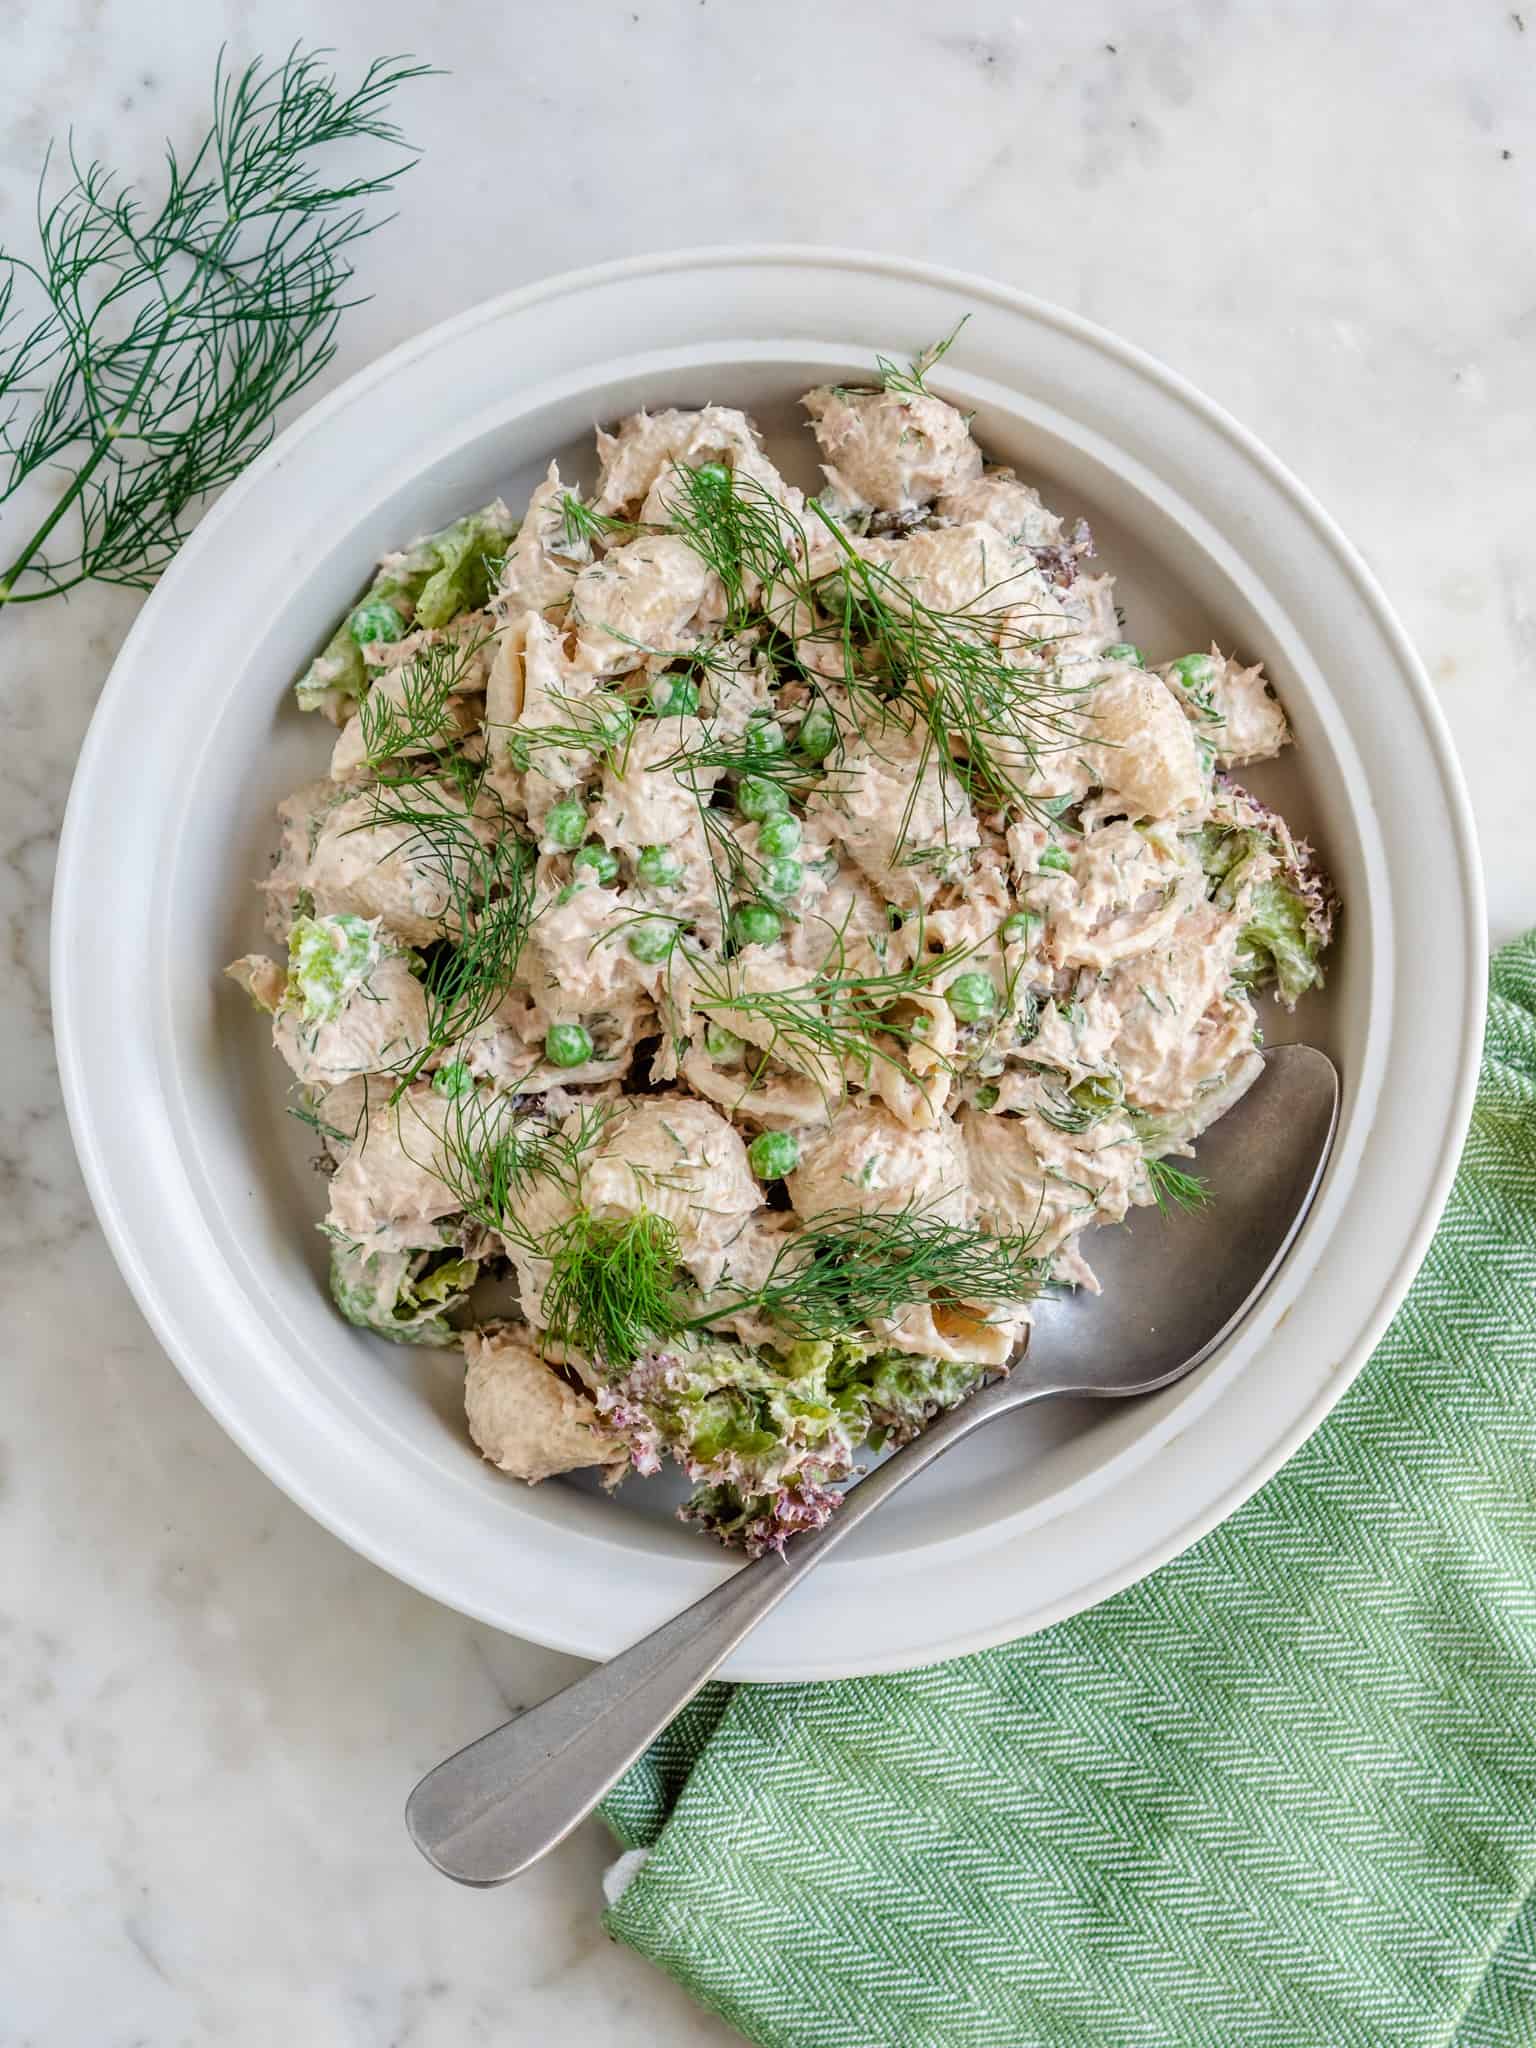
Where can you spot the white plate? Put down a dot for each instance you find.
(175, 1099)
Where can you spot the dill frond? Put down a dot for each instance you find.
(845, 1271)
(909, 382)
(164, 337)
(488, 882)
(613, 1287)
(418, 720)
(601, 724)
(306, 1113)
(495, 1151)
(1176, 1189)
(727, 753)
(738, 529)
(838, 1018)
(957, 670)
(466, 980)
(581, 524)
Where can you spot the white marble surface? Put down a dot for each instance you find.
(1320, 214)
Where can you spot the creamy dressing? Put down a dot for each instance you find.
(525, 1418)
(888, 451)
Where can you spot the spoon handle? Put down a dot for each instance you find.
(491, 1810)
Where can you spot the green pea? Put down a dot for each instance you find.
(597, 859)
(651, 941)
(674, 697)
(376, 621)
(453, 1080)
(722, 1045)
(1016, 930)
(754, 924)
(972, 997)
(615, 721)
(783, 879)
(757, 797)
(1126, 651)
(1194, 671)
(566, 824)
(763, 738)
(568, 1045)
(772, 1154)
(1056, 861)
(660, 867)
(986, 1098)
(779, 834)
(713, 472)
(818, 733)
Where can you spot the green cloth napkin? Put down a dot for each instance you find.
(1282, 1794)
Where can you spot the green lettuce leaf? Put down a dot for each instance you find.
(469, 555)
(1280, 942)
(767, 1436)
(404, 1296)
(1253, 864)
(426, 584)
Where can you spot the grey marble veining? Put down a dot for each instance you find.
(1321, 215)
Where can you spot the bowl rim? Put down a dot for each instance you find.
(71, 880)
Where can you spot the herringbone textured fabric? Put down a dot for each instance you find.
(1280, 1795)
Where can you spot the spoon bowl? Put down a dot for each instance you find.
(1177, 1281)
(1176, 1285)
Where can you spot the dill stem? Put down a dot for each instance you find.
(97, 456)
(113, 429)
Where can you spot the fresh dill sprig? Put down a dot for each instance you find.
(487, 880)
(601, 724)
(146, 349)
(493, 563)
(957, 670)
(737, 528)
(846, 1271)
(837, 1019)
(613, 1286)
(495, 1152)
(616, 1287)
(1176, 1189)
(954, 668)
(466, 979)
(418, 719)
(909, 382)
(728, 753)
(581, 524)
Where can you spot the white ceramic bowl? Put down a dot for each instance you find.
(175, 1098)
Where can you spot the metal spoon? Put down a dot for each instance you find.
(1175, 1287)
